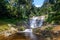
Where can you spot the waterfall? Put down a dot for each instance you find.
(33, 22)
(37, 21)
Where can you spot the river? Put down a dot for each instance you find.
(21, 36)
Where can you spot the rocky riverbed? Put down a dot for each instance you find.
(48, 35)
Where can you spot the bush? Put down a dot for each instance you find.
(22, 28)
(49, 28)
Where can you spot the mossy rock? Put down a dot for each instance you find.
(49, 28)
(22, 28)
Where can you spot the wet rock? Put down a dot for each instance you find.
(11, 25)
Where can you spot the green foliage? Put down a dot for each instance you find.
(15, 9)
(22, 28)
(36, 31)
(53, 11)
(49, 28)
(3, 27)
(23, 9)
(18, 9)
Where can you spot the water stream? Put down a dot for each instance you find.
(37, 21)
(34, 23)
(28, 34)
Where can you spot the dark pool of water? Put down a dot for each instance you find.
(21, 36)
(26, 36)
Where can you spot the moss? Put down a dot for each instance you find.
(22, 28)
(49, 28)
(3, 27)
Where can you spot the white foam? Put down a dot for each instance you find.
(27, 30)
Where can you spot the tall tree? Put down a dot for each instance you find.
(53, 11)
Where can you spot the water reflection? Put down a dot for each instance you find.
(21, 36)
(31, 36)
(27, 35)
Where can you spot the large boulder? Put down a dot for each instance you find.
(9, 32)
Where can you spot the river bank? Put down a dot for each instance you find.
(27, 36)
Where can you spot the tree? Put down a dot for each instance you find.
(53, 11)
(16, 9)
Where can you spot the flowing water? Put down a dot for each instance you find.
(28, 34)
(37, 21)
(21, 36)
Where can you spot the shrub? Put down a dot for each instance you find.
(49, 28)
(22, 28)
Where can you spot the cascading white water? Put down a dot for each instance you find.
(34, 23)
(37, 21)
(41, 21)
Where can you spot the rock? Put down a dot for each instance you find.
(13, 30)
(6, 33)
(9, 32)
(48, 38)
(9, 25)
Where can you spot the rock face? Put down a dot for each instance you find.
(48, 32)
